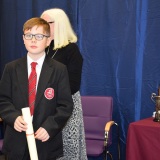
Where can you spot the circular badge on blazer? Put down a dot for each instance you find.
(49, 93)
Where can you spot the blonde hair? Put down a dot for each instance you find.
(63, 32)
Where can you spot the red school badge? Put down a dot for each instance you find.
(49, 93)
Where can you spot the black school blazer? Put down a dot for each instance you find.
(50, 113)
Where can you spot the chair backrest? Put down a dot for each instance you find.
(97, 111)
(1, 144)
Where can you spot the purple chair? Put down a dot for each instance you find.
(97, 114)
(1, 144)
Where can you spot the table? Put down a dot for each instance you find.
(143, 140)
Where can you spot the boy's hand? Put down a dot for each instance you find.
(42, 134)
(19, 124)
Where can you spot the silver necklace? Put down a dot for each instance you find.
(54, 52)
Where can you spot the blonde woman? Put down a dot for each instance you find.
(63, 48)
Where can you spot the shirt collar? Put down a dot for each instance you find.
(39, 61)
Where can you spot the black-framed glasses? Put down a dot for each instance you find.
(51, 22)
(38, 37)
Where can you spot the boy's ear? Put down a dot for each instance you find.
(23, 37)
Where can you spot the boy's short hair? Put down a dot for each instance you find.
(37, 22)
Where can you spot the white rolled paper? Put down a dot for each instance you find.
(30, 133)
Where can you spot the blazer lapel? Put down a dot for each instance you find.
(43, 79)
(22, 74)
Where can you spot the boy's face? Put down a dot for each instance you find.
(35, 46)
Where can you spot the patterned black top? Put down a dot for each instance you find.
(71, 57)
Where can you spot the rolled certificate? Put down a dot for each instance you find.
(30, 134)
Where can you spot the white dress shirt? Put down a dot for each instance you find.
(38, 66)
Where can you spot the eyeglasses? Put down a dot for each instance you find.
(38, 37)
(51, 22)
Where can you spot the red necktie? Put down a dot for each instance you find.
(32, 87)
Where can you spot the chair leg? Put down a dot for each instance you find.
(110, 155)
(106, 155)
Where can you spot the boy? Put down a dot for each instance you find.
(52, 105)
